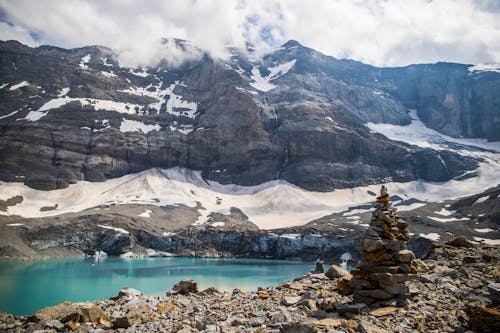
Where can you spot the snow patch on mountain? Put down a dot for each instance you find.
(128, 125)
(263, 83)
(19, 85)
(484, 68)
(270, 205)
(140, 73)
(108, 74)
(85, 60)
(418, 134)
(98, 104)
(175, 104)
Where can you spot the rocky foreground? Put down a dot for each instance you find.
(457, 290)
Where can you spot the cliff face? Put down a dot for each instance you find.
(298, 115)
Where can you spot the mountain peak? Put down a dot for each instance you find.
(291, 43)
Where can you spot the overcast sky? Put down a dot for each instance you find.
(378, 32)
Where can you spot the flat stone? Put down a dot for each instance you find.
(328, 323)
(290, 300)
(375, 257)
(365, 327)
(362, 283)
(392, 278)
(64, 312)
(383, 311)
(395, 289)
(355, 308)
(374, 268)
(372, 245)
(257, 321)
(376, 293)
(429, 278)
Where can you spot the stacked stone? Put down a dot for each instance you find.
(387, 263)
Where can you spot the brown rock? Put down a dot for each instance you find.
(64, 312)
(393, 278)
(383, 311)
(344, 287)
(372, 245)
(484, 319)
(460, 241)
(71, 325)
(93, 313)
(328, 324)
(263, 294)
(395, 289)
(495, 272)
(376, 256)
(335, 272)
(376, 293)
(310, 304)
(185, 287)
(405, 256)
(121, 322)
(375, 268)
(362, 283)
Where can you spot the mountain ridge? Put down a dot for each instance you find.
(205, 116)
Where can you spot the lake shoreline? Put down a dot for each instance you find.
(456, 284)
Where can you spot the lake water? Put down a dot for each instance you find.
(26, 287)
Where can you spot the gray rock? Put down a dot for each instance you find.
(129, 292)
(257, 321)
(429, 278)
(55, 324)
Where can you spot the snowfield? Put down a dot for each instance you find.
(274, 204)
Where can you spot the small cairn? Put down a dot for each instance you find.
(387, 263)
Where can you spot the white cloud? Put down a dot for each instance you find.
(392, 32)
(9, 32)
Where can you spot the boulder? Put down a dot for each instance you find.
(93, 313)
(405, 256)
(335, 272)
(127, 293)
(460, 241)
(64, 312)
(484, 319)
(185, 287)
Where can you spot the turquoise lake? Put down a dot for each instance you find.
(26, 287)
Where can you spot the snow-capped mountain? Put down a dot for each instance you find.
(296, 115)
(241, 142)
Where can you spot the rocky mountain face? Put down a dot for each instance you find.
(296, 114)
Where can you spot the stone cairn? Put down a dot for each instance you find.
(387, 263)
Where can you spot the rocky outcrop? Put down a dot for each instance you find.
(460, 298)
(309, 130)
